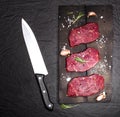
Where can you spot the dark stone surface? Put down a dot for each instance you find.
(19, 92)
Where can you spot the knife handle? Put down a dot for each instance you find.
(44, 92)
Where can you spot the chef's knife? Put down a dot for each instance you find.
(37, 61)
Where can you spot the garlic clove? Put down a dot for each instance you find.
(101, 96)
(91, 13)
(64, 52)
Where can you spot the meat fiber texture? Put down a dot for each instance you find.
(84, 34)
(85, 86)
(83, 61)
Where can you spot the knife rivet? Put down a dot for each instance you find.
(44, 91)
(40, 78)
(50, 105)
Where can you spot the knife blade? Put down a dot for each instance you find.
(37, 61)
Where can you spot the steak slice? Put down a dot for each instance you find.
(85, 86)
(83, 61)
(84, 34)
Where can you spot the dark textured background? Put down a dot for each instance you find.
(19, 91)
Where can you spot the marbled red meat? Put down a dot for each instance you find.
(85, 86)
(84, 34)
(83, 61)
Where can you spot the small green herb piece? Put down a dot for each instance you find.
(80, 60)
(78, 17)
(70, 13)
(67, 106)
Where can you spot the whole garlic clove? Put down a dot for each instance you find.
(91, 13)
(101, 96)
(64, 52)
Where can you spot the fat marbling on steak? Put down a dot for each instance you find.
(82, 61)
(85, 86)
(84, 34)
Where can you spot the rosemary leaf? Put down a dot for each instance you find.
(67, 106)
(78, 17)
(78, 59)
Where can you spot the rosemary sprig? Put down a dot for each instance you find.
(78, 17)
(67, 106)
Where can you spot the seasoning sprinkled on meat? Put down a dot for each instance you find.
(85, 86)
(83, 61)
(84, 34)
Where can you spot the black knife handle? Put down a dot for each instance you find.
(48, 104)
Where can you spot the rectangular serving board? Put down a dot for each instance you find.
(103, 44)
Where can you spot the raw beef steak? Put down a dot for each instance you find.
(84, 34)
(85, 86)
(83, 61)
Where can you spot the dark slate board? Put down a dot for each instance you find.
(103, 45)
